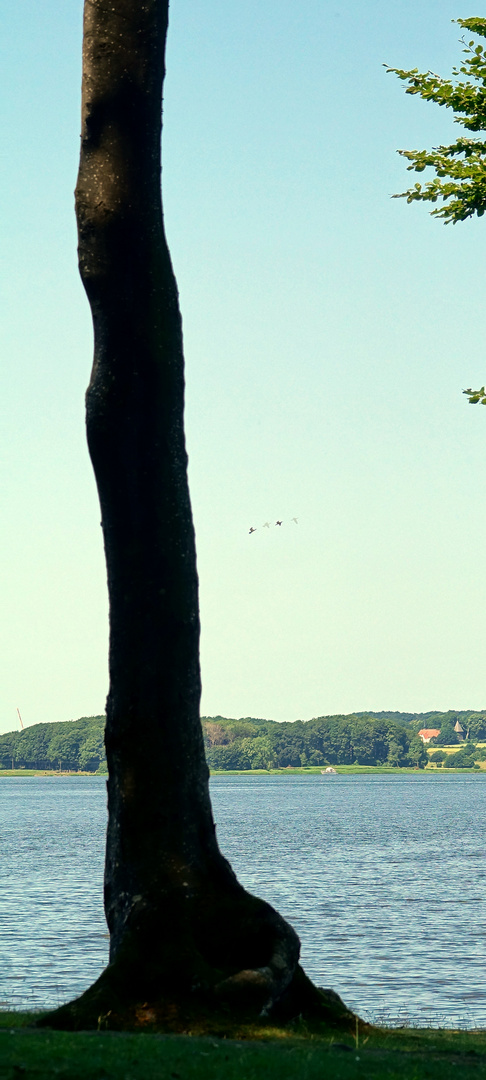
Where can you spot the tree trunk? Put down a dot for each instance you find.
(182, 929)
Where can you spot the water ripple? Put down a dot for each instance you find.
(381, 876)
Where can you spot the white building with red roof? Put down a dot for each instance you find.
(428, 733)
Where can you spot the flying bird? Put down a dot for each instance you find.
(267, 524)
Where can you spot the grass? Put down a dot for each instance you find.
(45, 772)
(314, 769)
(452, 749)
(342, 770)
(261, 1053)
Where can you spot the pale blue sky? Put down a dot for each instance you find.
(329, 331)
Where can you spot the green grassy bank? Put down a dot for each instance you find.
(45, 772)
(267, 1053)
(341, 770)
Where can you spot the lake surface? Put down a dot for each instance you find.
(383, 877)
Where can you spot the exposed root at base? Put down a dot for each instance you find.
(104, 1008)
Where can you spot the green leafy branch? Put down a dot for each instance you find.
(460, 182)
(476, 397)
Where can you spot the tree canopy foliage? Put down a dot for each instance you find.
(460, 167)
(250, 743)
(72, 745)
(474, 724)
(325, 740)
(373, 738)
(460, 182)
(466, 758)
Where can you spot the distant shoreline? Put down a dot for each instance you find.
(341, 770)
(29, 773)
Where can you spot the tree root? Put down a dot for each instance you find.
(195, 981)
(102, 1007)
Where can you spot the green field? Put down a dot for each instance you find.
(41, 772)
(268, 1053)
(341, 770)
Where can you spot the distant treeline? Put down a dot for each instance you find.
(360, 738)
(474, 723)
(71, 745)
(327, 740)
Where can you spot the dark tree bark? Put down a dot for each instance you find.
(184, 934)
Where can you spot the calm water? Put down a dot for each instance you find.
(383, 877)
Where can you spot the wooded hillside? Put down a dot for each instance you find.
(472, 722)
(326, 740)
(250, 743)
(67, 745)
